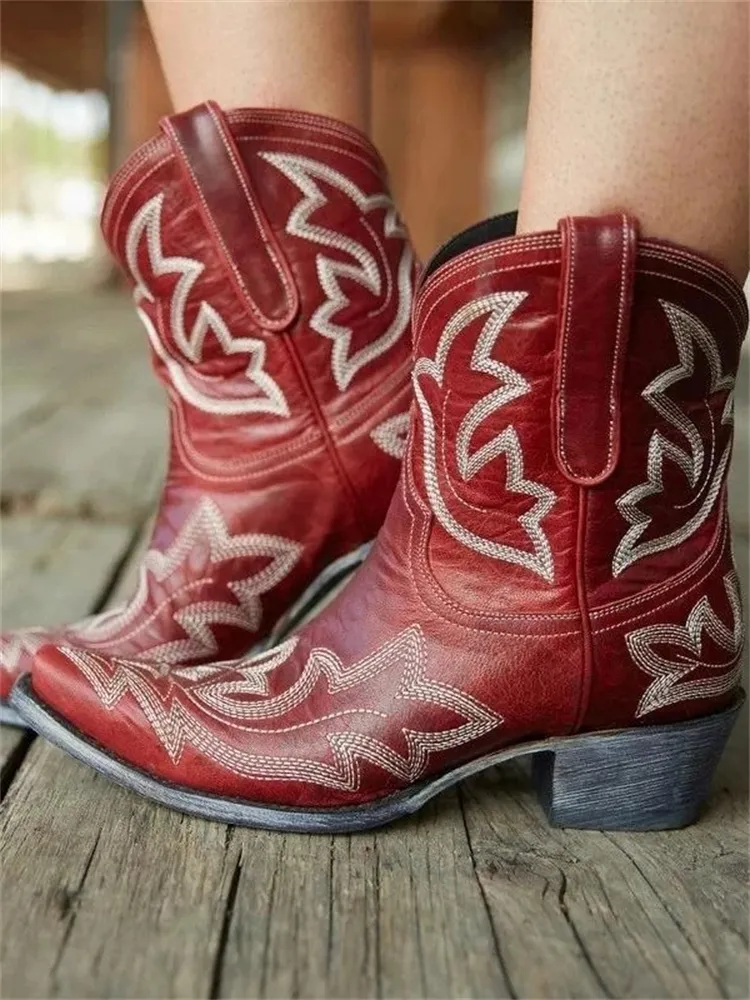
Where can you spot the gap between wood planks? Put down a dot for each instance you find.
(117, 580)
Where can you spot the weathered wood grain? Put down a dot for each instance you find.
(386, 914)
(55, 570)
(113, 470)
(84, 423)
(114, 889)
(117, 921)
(583, 913)
(121, 899)
(22, 404)
(431, 907)
(13, 746)
(63, 341)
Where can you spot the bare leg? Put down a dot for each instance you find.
(642, 107)
(267, 53)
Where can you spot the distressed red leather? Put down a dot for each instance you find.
(274, 279)
(505, 600)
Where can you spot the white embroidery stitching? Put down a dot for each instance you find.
(13, 645)
(195, 388)
(205, 526)
(500, 307)
(177, 726)
(668, 687)
(392, 434)
(688, 331)
(367, 271)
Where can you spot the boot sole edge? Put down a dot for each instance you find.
(10, 717)
(563, 810)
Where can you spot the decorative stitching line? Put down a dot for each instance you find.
(490, 251)
(131, 195)
(420, 321)
(660, 606)
(378, 399)
(500, 307)
(260, 318)
(279, 140)
(260, 222)
(317, 124)
(441, 278)
(205, 525)
(92, 626)
(704, 291)
(159, 143)
(472, 258)
(714, 553)
(411, 495)
(703, 269)
(302, 172)
(616, 361)
(687, 331)
(148, 221)
(668, 686)
(444, 456)
(562, 399)
(391, 435)
(176, 726)
(262, 464)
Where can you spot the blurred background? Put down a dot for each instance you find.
(81, 87)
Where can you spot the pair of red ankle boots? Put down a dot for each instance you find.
(552, 573)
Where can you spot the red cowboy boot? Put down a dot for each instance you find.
(554, 576)
(274, 279)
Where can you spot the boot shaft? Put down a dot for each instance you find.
(266, 259)
(574, 391)
(274, 279)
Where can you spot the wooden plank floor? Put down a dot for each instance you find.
(105, 895)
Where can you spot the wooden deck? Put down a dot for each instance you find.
(105, 895)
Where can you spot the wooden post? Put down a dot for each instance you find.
(143, 82)
(432, 65)
(118, 27)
